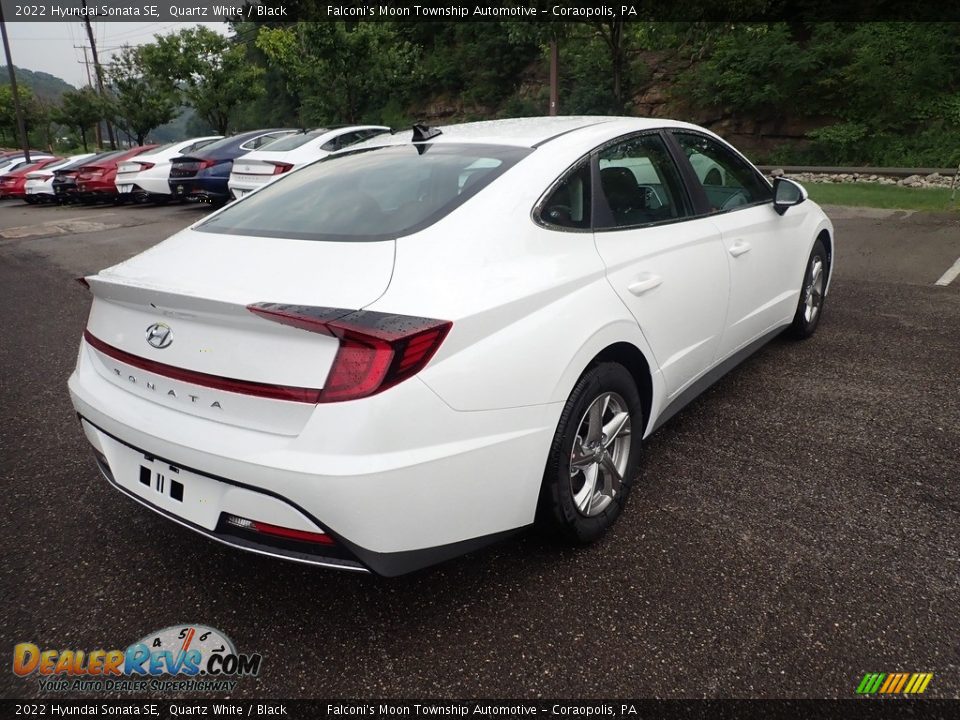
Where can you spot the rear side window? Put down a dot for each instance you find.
(259, 142)
(367, 195)
(292, 142)
(342, 141)
(568, 205)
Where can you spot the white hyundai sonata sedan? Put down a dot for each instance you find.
(266, 165)
(409, 349)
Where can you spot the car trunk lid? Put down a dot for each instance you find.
(164, 322)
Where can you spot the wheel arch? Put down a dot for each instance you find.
(825, 234)
(635, 363)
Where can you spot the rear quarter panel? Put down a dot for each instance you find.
(530, 306)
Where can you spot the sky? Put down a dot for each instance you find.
(49, 46)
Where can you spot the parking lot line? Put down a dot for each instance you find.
(950, 275)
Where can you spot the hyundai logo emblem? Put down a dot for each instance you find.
(159, 336)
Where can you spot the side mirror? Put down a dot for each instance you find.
(787, 193)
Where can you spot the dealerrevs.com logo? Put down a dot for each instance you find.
(184, 658)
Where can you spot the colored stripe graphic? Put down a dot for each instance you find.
(891, 681)
(870, 683)
(894, 683)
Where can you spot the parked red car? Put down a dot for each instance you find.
(97, 181)
(12, 183)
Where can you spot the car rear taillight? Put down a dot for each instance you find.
(279, 531)
(377, 350)
(145, 165)
(204, 164)
(281, 167)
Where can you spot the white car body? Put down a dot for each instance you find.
(148, 174)
(15, 162)
(40, 182)
(260, 167)
(180, 374)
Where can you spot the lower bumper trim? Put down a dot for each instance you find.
(387, 564)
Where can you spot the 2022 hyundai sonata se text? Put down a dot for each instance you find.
(411, 348)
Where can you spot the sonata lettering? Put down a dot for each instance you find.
(170, 392)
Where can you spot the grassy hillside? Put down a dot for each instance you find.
(44, 85)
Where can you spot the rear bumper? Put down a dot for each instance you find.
(66, 194)
(111, 452)
(395, 495)
(240, 188)
(199, 188)
(152, 186)
(96, 191)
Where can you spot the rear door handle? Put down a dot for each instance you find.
(739, 248)
(645, 282)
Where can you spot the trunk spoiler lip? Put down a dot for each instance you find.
(166, 299)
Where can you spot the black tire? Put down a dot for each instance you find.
(557, 510)
(804, 325)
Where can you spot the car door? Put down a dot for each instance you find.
(667, 265)
(756, 239)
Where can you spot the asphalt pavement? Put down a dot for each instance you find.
(794, 528)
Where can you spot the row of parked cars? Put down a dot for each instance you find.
(211, 169)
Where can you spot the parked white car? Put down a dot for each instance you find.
(260, 167)
(403, 352)
(39, 183)
(146, 177)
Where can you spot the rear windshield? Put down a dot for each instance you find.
(91, 160)
(232, 140)
(291, 142)
(367, 195)
(162, 148)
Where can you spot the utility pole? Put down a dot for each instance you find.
(86, 64)
(554, 76)
(98, 70)
(98, 136)
(21, 127)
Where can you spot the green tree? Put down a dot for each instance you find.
(341, 71)
(214, 72)
(143, 101)
(80, 110)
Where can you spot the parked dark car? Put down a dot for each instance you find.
(203, 175)
(65, 178)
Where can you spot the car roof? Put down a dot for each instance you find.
(524, 132)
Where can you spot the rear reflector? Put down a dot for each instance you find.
(377, 350)
(245, 387)
(279, 531)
